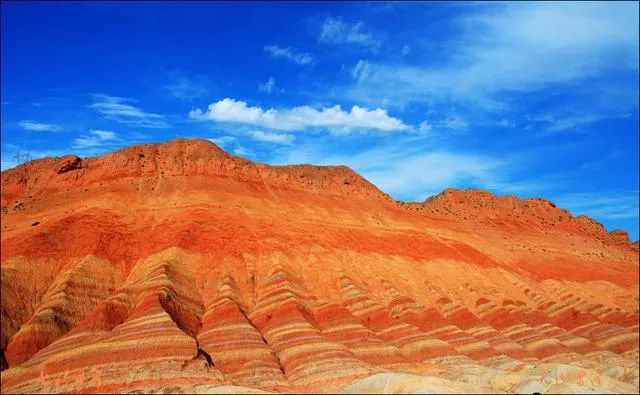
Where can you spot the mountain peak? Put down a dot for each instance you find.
(179, 158)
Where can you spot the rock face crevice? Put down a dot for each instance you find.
(179, 267)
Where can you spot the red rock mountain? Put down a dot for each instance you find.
(179, 267)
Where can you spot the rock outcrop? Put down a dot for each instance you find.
(179, 267)
(71, 164)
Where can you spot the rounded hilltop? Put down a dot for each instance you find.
(479, 206)
(173, 160)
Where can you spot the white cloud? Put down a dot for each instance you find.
(602, 205)
(267, 86)
(96, 138)
(302, 117)
(117, 109)
(302, 58)
(336, 31)
(278, 138)
(39, 126)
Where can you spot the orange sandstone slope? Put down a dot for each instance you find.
(177, 266)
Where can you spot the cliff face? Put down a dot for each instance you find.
(177, 266)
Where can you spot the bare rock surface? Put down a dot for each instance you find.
(177, 267)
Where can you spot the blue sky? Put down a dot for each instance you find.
(532, 99)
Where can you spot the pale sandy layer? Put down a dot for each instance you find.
(544, 378)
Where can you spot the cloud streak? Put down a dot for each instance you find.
(277, 138)
(361, 70)
(96, 138)
(118, 109)
(39, 126)
(187, 86)
(290, 54)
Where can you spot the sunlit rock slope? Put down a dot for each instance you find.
(179, 267)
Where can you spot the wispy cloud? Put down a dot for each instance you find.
(530, 45)
(602, 205)
(555, 125)
(302, 117)
(224, 141)
(337, 31)
(244, 152)
(453, 123)
(519, 47)
(361, 70)
(96, 138)
(425, 127)
(267, 86)
(278, 138)
(118, 109)
(187, 86)
(290, 54)
(39, 126)
(448, 123)
(604, 158)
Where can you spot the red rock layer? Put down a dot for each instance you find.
(167, 265)
(236, 346)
